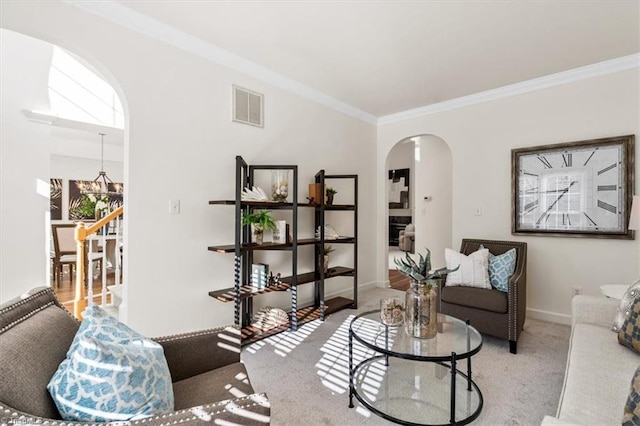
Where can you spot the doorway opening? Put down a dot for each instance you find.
(418, 202)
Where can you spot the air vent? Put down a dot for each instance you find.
(247, 106)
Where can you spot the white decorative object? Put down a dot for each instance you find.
(280, 233)
(329, 233)
(254, 194)
(268, 317)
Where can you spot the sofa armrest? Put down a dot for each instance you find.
(252, 410)
(195, 353)
(595, 310)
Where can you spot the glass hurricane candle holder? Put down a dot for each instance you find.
(280, 185)
(391, 311)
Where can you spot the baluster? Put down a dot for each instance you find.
(89, 273)
(116, 252)
(104, 265)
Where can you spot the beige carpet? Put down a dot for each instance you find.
(305, 374)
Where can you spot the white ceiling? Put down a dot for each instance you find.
(385, 57)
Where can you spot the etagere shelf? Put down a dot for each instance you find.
(242, 293)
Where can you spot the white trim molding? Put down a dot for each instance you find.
(595, 70)
(141, 23)
(549, 316)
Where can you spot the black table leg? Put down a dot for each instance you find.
(350, 368)
(453, 388)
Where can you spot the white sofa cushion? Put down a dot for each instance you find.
(597, 379)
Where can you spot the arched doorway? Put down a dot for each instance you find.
(53, 113)
(424, 165)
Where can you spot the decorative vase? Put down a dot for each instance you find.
(259, 234)
(326, 262)
(330, 199)
(280, 185)
(421, 316)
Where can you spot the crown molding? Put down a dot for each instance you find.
(583, 73)
(141, 23)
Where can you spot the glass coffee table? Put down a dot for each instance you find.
(414, 381)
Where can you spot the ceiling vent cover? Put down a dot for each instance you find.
(247, 106)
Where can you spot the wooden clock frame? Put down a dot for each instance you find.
(628, 160)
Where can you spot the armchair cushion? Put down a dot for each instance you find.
(478, 298)
(501, 267)
(473, 270)
(111, 373)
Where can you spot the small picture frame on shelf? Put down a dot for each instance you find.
(259, 275)
(280, 233)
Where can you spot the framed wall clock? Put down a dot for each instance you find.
(581, 189)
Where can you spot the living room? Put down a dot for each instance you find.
(180, 144)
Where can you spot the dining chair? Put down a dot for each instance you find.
(65, 250)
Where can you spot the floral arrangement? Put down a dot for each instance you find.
(420, 271)
(87, 206)
(331, 191)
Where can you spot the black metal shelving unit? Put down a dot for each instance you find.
(242, 293)
(327, 307)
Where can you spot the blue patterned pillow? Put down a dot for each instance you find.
(111, 373)
(501, 268)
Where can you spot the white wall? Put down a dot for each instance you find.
(481, 138)
(433, 179)
(24, 159)
(180, 144)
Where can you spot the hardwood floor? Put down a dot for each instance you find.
(398, 281)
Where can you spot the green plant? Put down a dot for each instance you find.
(327, 249)
(261, 220)
(331, 191)
(86, 206)
(420, 271)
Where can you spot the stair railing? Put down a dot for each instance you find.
(81, 235)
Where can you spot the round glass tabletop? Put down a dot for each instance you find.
(454, 336)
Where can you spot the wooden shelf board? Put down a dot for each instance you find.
(273, 205)
(252, 334)
(278, 246)
(228, 294)
(336, 304)
(309, 277)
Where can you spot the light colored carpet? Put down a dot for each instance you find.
(305, 374)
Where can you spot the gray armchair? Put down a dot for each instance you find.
(406, 238)
(210, 384)
(491, 311)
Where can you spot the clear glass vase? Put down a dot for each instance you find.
(421, 314)
(280, 185)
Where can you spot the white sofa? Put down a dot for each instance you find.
(599, 369)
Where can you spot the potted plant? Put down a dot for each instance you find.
(259, 221)
(325, 256)
(330, 193)
(421, 298)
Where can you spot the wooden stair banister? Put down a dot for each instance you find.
(81, 235)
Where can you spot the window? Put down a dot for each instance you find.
(77, 93)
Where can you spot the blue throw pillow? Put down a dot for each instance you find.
(501, 268)
(111, 373)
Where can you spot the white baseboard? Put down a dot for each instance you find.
(549, 316)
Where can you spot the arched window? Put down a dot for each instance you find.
(77, 93)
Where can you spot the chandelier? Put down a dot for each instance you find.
(102, 184)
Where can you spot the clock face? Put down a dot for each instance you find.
(572, 189)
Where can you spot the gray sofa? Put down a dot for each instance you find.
(210, 384)
(599, 369)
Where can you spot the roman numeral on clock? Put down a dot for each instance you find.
(606, 169)
(547, 164)
(566, 220)
(590, 220)
(607, 187)
(567, 159)
(530, 206)
(607, 207)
